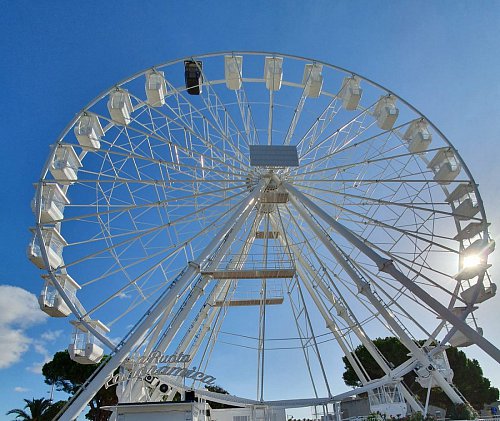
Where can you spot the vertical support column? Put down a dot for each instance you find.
(85, 394)
(338, 412)
(262, 324)
(427, 397)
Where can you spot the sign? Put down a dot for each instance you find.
(157, 364)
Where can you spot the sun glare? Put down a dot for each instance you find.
(471, 261)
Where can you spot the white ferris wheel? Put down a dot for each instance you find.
(259, 215)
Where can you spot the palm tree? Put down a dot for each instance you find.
(37, 409)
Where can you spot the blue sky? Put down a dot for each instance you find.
(56, 56)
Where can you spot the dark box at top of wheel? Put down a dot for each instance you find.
(193, 76)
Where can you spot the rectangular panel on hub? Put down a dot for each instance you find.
(274, 156)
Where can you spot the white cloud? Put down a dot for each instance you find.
(122, 295)
(37, 366)
(39, 347)
(14, 344)
(50, 335)
(18, 311)
(19, 307)
(20, 389)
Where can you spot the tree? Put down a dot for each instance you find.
(54, 410)
(217, 405)
(461, 412)
(468, 375)
(38, 410)
(67, 375)
(392, 349)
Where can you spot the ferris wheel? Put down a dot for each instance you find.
(251, 218)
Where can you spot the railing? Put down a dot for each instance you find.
(252, 261)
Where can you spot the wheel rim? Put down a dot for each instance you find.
(148, 199)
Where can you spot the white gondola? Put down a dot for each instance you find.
(233, 70)
(54, 244)
(273, 73)
(88, 131)
(388, 401)
(418, 136)
(467, 209)
(480, 247)
(470, 231)
(485, 293)
(439, 363)
(156, 88)
(313, 80)
(120, 106)
(386, 112)
(445, 166)
(51, 301)
(85, 348)
(472, 271)
(478, 251)
(467, 206)
(52, 204)
(65, 165)
(351, 93)
(460, 192)
(459, 340)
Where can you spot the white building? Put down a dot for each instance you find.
(191, 410)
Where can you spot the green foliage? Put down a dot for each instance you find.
(461, 412)
(415, 416)
(469, 379)
(34, 410)
(390, 347)
(468, 376)
(374, 416)
(67, 375)
(54, 410)
(217, 389)
(418, 416)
